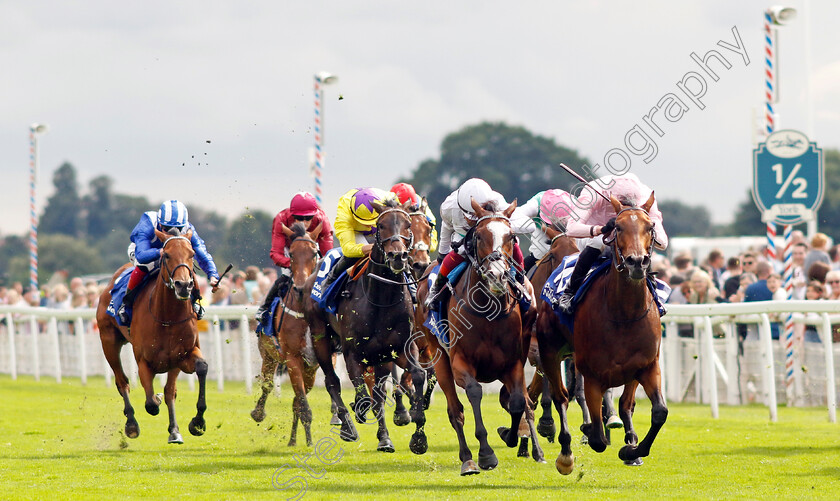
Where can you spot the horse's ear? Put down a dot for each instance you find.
(317, 231)
(407, 206)
(188, 234)
(510, 209)
(286, 230)
(378, 206)
(424, 204)
(616, 204)
(161, 235)
(649, 203)
(477, 208)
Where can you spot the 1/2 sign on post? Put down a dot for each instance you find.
(788, 178)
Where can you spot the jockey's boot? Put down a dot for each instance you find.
(432, 299)
(196, 302)
(280, 287)
(340, 267)
(127, 301)
(585, 261)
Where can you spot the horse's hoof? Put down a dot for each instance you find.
(584, 440)
(132, 429)
(614, 422)
(402, 418)
(197, 427)
(348, 432)
(469, 468)
(523, 448)
(505, 434)
(175, 438)
(539, 458)
(335, 420)
(627, 453)
(385, 445)
(547, 429)
(418, 443)
(152, 408)
(565, 464)
(635, 462)
(292, 442)
(258, 415)
(597, 446)
(488, 462)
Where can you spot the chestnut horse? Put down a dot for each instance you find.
(289, 343)
(616, 340)
(487, 341)
(163, 335)
(373, 320)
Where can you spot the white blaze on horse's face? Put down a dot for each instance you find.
(498, 268)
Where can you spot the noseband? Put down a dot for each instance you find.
(170, 283)
(396, 237)
(620, 262)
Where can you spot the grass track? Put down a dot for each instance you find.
(63, 441)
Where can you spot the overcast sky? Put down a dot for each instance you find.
(135, 91)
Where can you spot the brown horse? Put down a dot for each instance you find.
(561, 246)
(487, 341)
(289, 344)
(616, 339)
(163, 335)
(373, 320)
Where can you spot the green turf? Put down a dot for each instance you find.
(64, 441)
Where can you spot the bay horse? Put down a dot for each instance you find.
(290, 343)
(163, 335)
(487, 341)
(561, 246)
(616, 340)
(373, 320)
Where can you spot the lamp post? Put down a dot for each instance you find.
(35, 130)
(322, 78)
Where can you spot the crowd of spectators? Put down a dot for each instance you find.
(751, 276)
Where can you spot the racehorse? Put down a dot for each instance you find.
(163, 335)
(561, 246)
(289, 343)
(373, 320)
(487, 341)
(616, 340)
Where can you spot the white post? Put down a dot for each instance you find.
(245, 334)
(831, 391)
(769, 377)
(52, 330)
(709, 369)
(217, 342)
(133, 371)
(10, 324)
(36, 356)
(81, 335)
(699, 387)
(732, 386)
(672, 367)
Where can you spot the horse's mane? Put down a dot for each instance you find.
(299, 230)
(174, 231)
(392, 203)
(491, 206)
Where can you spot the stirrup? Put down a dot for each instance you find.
(199, 311)
(564, 302)
(123, 315)
(261, 315)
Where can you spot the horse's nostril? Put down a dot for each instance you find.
(404, 256)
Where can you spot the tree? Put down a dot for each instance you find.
(63, 211)
(63, 252)
(99, 208)
(515, 162)
(11, 249)
(685, 220)
(248, 241)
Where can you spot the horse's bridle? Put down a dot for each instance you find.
(305, 238)
(620, 260)
(170, 283)
(395, 237)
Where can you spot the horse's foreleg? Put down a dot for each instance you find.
(300, 406)
(546, 427)
(112, 343)
(611, 420)
(593, 393)
(487, 459)
(169, 394)
(401, 386)
(626, 406)
(323, 352)
(197, 363)
(147, 379)
(382, 374)
(417, 376)
(270, 361)
(362, 401)
(455, 411)
(651, 382)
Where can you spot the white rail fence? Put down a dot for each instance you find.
(702, 368)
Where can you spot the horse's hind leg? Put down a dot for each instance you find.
(147, 379)
(382, 374)
(270, 361)
(169, 394)
(594, 430)
(197, 364)
(546, 427)
(419, 443)
(575, 381)
(306, 411)
(611, 419)
(552, 365)
(112, 342)
(651, 382)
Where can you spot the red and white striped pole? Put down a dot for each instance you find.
(34, 131)
(770, 98)
(322, 78)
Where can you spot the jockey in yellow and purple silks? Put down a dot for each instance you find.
(355, 227)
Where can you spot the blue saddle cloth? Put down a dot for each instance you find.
(559, 279)
(268, 330)
(327, 300)
(117, 295)
(433, 321)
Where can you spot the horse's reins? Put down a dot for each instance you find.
(170, 284)
(283, 300)
(379, 245)
(495, 255)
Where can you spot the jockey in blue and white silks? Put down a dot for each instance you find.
(145, 248)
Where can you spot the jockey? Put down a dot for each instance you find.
(145, 251)
(355, 227)
(404, 193)
(546, 208)
(302, 209)
(594, 219)
(454, 212)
